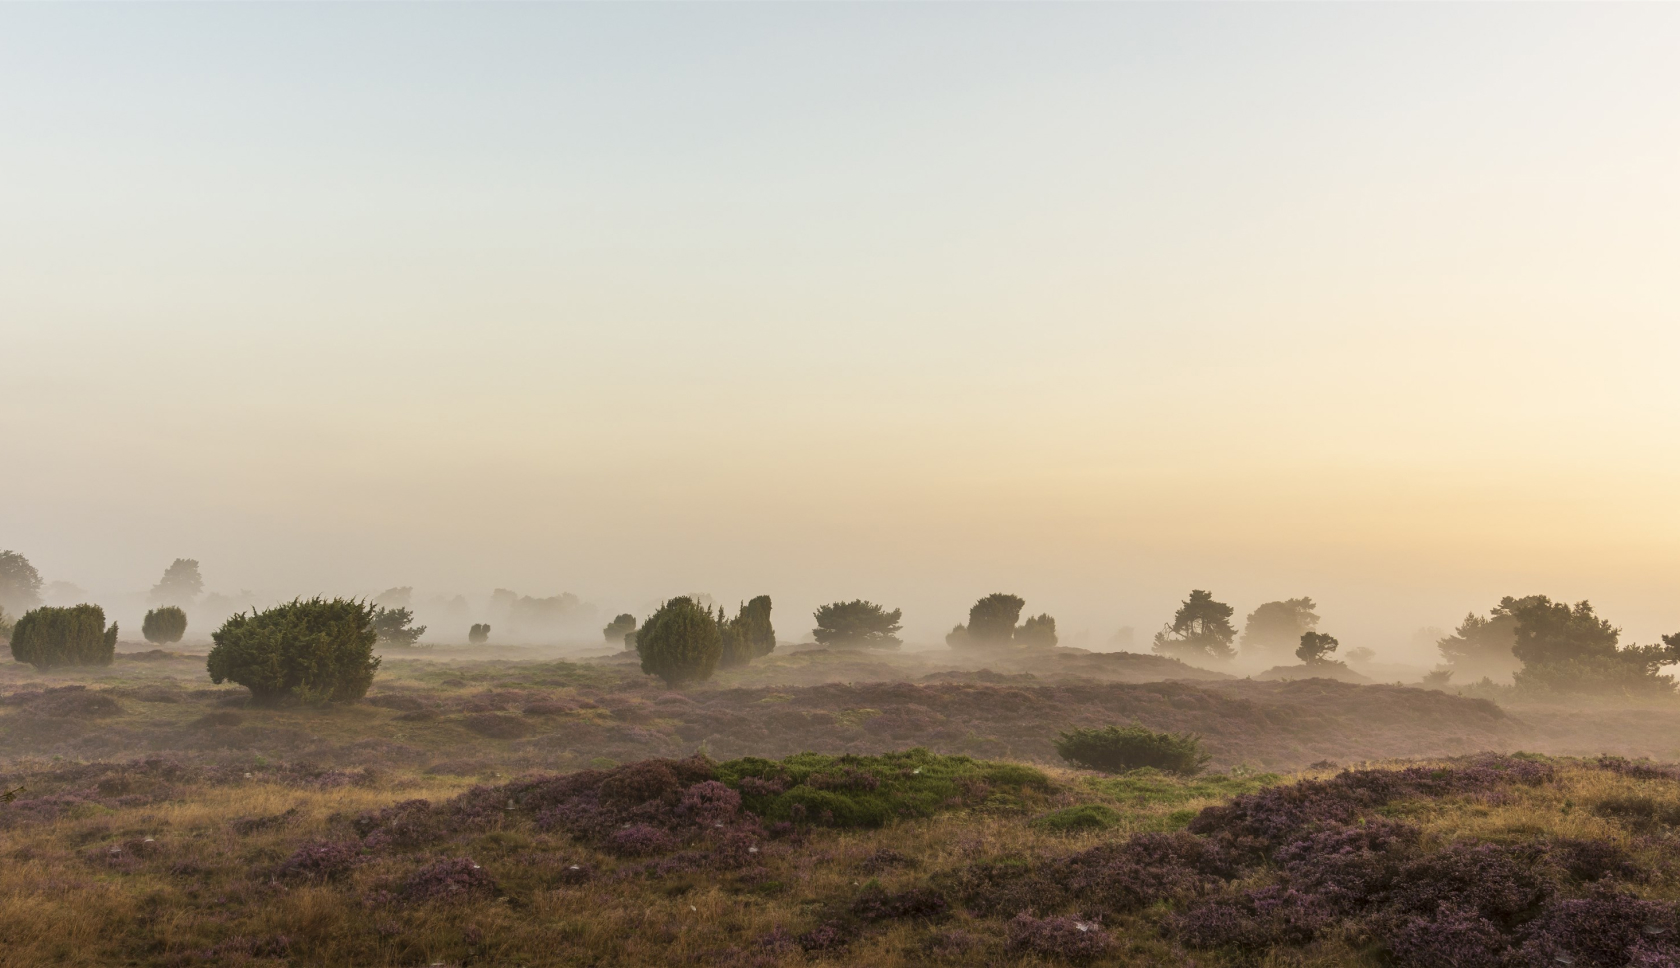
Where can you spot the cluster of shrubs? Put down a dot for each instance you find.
(991, 625)
(685, 642)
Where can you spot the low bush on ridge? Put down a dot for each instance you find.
(1118, 749)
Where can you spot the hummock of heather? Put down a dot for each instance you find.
(1116, 750)
(311, 651)
(50, 637)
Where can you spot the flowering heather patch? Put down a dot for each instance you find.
(1638, 769)
(1150, 867)
(410, 823)
(875, 904)
(1495, 882)
(1253, 920)
(1450, 938)
(1258, 823)
(1069, 938)
(640, 840)
(1348, 866)
(457, 879)
(1595, 860)
(828, 936)
(1605, 930)
(319, 861)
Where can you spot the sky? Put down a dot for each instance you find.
(1095, 304)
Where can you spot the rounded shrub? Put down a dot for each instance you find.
(1116, 750)
(311, 651)
(74, 636)
(164, 626)
(680, 643)
(479, 633)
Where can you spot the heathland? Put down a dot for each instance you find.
(823, 807)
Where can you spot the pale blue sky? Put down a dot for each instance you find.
(1094, 303)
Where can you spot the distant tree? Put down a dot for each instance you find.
(399, 597)
(311, 651)
(857, 624)
(1038, 632)
(20, 583)
(991, 621)
(958, 637)
(1276, 627)
(478, 634)
(164, 626)
(1567, 648)
(6, 625)
(63, 593)
(1481, 647)
(76, 636)
(1362, 655)
(681, 642)
(1124, 639)
(180, 584)
(618, 628)
(1200, 629)
(1315, 647)
(396, 626)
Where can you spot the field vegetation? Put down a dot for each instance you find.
(296, 798)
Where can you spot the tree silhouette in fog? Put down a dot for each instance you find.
(618, 628)
(20, 583)
(1200, 629)
(180, 584)
(1276, 627)
(1315, 647)
(857, 624)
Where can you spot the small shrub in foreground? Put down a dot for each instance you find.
(1086, 816)
(50, 637)
(1116, 750)
(164, 626)
(306, 651)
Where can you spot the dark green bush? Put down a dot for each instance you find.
(1316, 647)
(75, 636)
(1038, 632)
(303, 651)
(164, 626)
(1115, 750)
(857, 624)
(680, 643)
(618, 628)
(396, 626)
(748, 635)
(479, 633)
